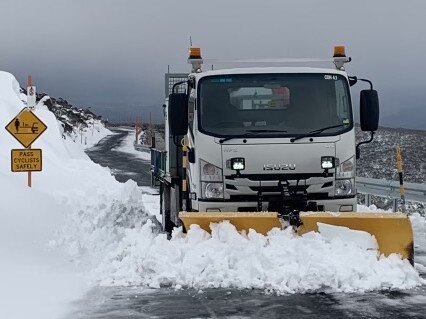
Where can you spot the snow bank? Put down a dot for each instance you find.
(280, 262)
(98, 224)
(123, 242)
(133, 252)
(31, 273)
(35, 282)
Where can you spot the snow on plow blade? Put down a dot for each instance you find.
(261, 222)
(393, 231)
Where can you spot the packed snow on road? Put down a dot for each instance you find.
(127, 146)
(78, 227)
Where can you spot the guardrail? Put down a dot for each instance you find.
(384, 188)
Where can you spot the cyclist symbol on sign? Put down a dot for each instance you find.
(17, 124)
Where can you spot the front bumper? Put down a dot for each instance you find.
(332, 205)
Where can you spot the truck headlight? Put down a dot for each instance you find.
(210, 172)
(348, 165)
(211, 180)
(346, 169)
(212, 190)
(344, 187)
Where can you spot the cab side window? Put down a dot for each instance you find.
(342, 102)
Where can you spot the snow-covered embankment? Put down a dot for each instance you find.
(37, 278)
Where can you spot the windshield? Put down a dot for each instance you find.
(274, 104)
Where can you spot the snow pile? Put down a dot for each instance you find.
(29, 271)
(116, 232)
(362, 239)
(98, 224)
(371, 209)
(280, 262)
(128, 249)
(42, 280)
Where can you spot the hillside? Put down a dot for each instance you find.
(378, 158)
(78, 124)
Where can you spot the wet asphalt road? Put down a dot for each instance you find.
(134, 302)
(124, 166)
(139, 302)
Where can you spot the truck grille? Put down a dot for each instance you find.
(316, 185)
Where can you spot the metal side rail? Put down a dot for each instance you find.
(158, 166)
(380, 187)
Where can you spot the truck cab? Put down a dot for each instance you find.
(261, 139)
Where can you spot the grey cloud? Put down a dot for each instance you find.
(113, 54)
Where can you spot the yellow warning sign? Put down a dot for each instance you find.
(26, 160)
(26, 127)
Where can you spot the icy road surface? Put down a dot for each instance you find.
(137, 302)
(124, 166)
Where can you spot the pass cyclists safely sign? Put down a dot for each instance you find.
(26, 160)
(26, 127)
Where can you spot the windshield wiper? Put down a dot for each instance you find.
(315, 132)
(249, 133)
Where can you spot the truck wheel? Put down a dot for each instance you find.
(166, 222)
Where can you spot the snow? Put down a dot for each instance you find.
(77, 227)
(280, 262)
(361, 239)
(127, 146)
(371, 209)
(35, 280)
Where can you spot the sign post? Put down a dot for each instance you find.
(26, 127)
(31, 94)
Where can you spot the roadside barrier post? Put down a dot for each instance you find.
(401, 179)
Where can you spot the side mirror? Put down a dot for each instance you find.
(178, 113)
(369, 110)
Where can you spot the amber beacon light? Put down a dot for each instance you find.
(195, 53)
(339, 51)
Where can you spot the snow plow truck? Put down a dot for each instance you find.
(266, 147)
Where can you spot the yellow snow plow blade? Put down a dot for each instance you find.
(393, 231)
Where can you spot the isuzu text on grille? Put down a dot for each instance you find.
(279, 167)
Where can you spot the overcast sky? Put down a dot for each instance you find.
(112, 54)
